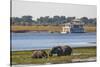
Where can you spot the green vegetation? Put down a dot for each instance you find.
(49, 28)
(50, 24)
(46, 20)
(24, 57)
(37, 28)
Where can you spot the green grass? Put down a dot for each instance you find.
(49, 28)
(24, 57)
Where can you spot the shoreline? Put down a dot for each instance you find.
(49, 48)
(49, 28)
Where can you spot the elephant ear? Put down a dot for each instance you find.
(60, 49)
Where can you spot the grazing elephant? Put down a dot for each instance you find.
(61, 51)
(39, 54)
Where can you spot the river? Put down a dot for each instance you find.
(31, 40)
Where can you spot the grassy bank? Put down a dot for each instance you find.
(24, 57)
(49, 28)
(90, 28)
(37, 28)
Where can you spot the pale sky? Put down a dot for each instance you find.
(37, 9)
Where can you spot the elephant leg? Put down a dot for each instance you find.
(59, 54)
(40, 56)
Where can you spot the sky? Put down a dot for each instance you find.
(38, 9)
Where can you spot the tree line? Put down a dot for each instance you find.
(55, 20)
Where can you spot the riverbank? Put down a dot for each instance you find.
(78, 54)
(48, 28)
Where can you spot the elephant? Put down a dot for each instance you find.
(39, 54)
(61, 51)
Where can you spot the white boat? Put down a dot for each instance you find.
(64, 32)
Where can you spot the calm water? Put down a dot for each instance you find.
(29, 41)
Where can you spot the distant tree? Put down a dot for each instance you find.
(46, 19)
(69, 19)
(15, 20)
(95, 21)
(92, 21)
(84, 20)
(63, 18)
(50, 21)
(27, 18)
(40, 20)
(56, 19)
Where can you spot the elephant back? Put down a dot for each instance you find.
(67, 50)
(61, 50)
(39, 54)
